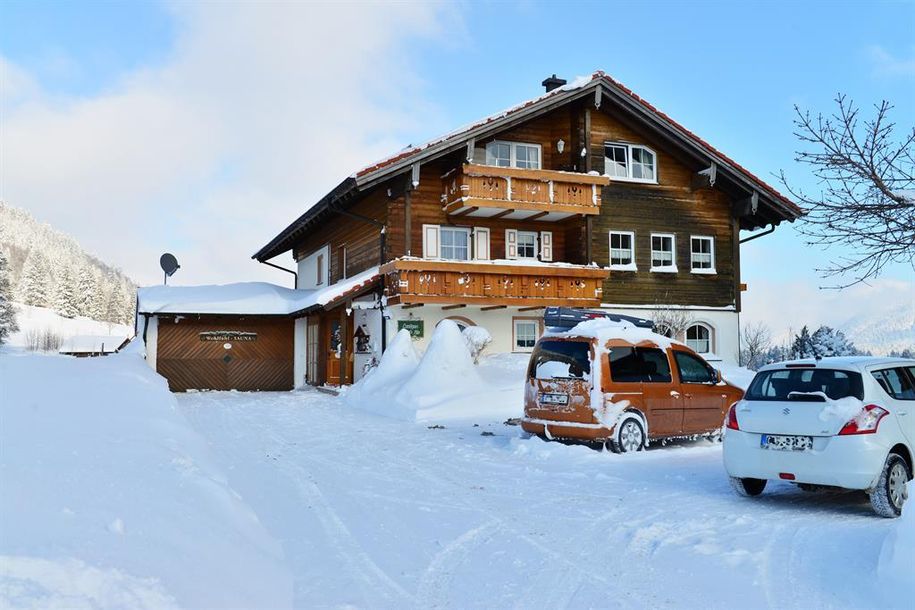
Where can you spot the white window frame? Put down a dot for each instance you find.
(466, 231)
(537, 333)
(691, 343)
(536, 237)
(628, 177)
(692, 261)
(513, 154)
(672, 268)
(626, 266)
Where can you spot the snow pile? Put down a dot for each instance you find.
(840, 411)
(476, 338)
(739, 376)
(897, 557)
(92, 344)
(111, 500)
(604, 330)
(444, 384)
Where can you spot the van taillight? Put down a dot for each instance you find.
(865, 422)
(732, 418)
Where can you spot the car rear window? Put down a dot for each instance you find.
(804, 384)
(647, 364)
(560, 360)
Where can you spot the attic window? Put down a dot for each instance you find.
(513, 154)
(630, 162)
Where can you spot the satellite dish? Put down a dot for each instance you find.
(169, 265)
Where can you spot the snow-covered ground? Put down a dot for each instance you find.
(375, 512)
(117, 494)
(40, 319)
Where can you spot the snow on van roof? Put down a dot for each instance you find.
(605, 330)
(245, 298)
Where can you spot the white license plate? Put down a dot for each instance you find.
(786, 443)
(554, 399)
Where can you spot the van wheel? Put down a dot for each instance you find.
(891, 491)
(629, 437)
(748, 488)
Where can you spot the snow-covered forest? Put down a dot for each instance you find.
(48, 268)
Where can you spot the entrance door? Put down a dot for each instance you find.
(334, 345)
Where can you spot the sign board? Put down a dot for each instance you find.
(227, 335)
(416, 328)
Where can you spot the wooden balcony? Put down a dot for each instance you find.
(420, 281)
(484, 191)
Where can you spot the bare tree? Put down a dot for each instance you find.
(757, 341)
(670, 321)
(866, 171)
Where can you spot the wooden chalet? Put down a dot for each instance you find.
(585, 196)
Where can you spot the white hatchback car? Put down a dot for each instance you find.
(835, 422)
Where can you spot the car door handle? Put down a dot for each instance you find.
(901, 412)
(675, 393)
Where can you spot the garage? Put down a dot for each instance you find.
(227, 337)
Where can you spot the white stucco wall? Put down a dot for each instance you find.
(299, 353)
(152, 339)
(307, 269)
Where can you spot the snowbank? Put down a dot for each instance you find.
(41, 319)
(111, 500)
(740, 376)
(444, 384)
(897, 558)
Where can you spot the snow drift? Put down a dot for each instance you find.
(897, 557)
(111, 500)
(444, 384)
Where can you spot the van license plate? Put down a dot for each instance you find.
(786, 443)
(554, 399)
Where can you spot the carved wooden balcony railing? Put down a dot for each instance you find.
(409, 281)
(521, 194)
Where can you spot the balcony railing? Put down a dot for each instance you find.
(533, 194)
(421, 281)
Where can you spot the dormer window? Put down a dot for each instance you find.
(513, 154)
(630, 162)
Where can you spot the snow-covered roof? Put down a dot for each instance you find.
(246, 298)
(92, 344)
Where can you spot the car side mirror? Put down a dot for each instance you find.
(716, 376)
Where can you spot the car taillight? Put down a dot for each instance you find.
(732, 417)
(865, 422)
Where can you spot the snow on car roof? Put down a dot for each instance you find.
(245, 298)
(605, 330)
(851, 362)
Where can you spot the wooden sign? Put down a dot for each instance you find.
(416, 328)
(227, 335)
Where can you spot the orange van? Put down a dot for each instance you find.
(621, 386)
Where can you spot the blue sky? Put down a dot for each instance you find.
(730, 72)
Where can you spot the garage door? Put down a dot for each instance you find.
(225, 353)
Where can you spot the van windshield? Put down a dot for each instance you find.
(560, 360)
(805, 384)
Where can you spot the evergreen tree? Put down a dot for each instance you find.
(65, 298)
(85, 291)
(98, 303)
(8, 324)
(802, 347)
(35, 285)
(828, 341)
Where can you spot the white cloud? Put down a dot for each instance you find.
(887, 64)
(259, 110)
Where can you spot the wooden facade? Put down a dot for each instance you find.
(225, 352)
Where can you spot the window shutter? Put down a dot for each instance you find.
(481, 243)
(511, 243)
(546, 245)
(431, 241)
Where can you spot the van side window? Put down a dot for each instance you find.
(645, 364)
(692, 369)
(896, 383)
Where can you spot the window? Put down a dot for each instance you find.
(513, 154)
(780, 384)
(622, 250)
(693, 369)
(702, 254)
(897, 383)
(699, 338)
(455, 243)
(526, 334)
(319, 268)
(630, 162)
(639, 364)
(662, 252)
(560, 360)
(527, 244)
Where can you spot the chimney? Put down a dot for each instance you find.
(552, 82)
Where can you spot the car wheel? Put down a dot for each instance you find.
(629, 437)
(891, 490)
(748, 488)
